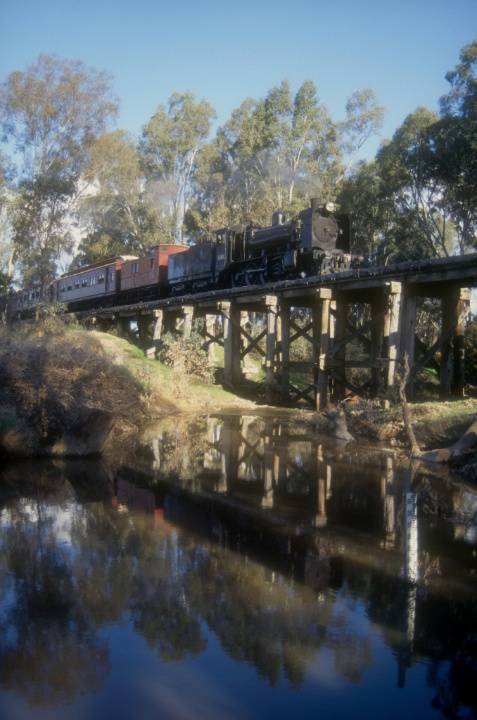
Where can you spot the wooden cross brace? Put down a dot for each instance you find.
(252, 342)
(301, 332)
(219, 339)
(251, 450)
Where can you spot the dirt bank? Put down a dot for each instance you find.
(66, 391)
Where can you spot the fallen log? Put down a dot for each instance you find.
(457, 450)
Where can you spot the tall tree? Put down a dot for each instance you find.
(453, 147)
(50, 114)
(364, 118)
(277, 151)
(417, 192)
(6, 245)
(276, 147)
(115, 205)
(303, 152)
(169, 146)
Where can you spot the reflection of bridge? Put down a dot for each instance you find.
(314, 311)
(263, 465)
(329, 512)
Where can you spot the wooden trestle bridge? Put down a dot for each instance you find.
(387, 337)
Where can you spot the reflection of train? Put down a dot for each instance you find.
(316, 241)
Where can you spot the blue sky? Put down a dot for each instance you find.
(226, 51)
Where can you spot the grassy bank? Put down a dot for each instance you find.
(164, 389)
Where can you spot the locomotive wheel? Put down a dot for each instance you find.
(238, 279)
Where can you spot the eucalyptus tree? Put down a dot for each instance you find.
(453, 147)
(6, 245)
(50, 113)
(364, 118)
(303, 153)
(169, 146)
(418, 194)
(275, 147)
(115, 207)
(277, 151)
(423, 183)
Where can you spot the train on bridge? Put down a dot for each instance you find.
(316, 241)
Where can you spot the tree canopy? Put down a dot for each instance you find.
(50, 114)
(66, 174)
(424, 200)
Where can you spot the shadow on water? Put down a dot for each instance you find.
(252, 533)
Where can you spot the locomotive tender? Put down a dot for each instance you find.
(317, 241)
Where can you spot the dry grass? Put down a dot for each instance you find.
(46, 376)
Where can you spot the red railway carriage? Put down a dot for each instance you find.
(150, 269)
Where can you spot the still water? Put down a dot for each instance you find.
(237, 567)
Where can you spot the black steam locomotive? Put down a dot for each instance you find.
(316, 241)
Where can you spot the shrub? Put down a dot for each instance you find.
(186, 356)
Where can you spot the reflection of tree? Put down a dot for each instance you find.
(160, 603)
(102, 566)
(455, 685)
(47, 651)
(52, 661)
(265, 620)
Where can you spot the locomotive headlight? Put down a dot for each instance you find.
(330, 207)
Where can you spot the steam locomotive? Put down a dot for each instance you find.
(316, 241)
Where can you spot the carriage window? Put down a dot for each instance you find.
(85, 282)
(77, 283)
(101, 278)
(151, 262)
(135, 267)
(70, 287)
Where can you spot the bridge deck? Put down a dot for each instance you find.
(427, 277)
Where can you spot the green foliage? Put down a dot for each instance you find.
(419, 198)
(5, 281)
(186, 356)
(118, 212)
(274, 153)
(50, 113)
(169, 146)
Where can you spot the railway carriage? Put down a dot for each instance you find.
(148, 275)
(95, 282)
(23, 301)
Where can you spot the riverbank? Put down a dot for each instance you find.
(68, 391)
(61, 384)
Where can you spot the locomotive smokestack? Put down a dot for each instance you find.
(315, 203)
(277, 218)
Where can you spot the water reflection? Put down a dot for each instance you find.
(299, 562)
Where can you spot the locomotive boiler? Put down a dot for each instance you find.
(316, 241)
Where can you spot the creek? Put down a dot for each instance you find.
(237, 567)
